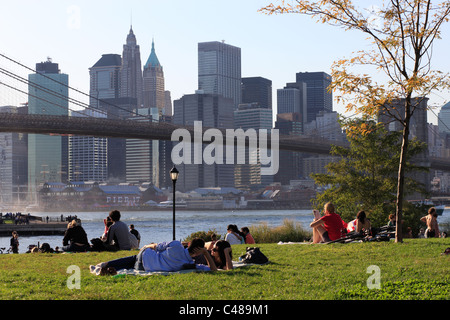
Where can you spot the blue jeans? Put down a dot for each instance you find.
(131, 262)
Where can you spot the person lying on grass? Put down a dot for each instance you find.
(166, 256)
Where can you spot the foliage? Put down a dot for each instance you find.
(299, 271)
(364, 177)
(288, 231)
(402, 34)
(207, 236)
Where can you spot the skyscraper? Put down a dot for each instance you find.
(105, 79)
(142, 156)
(153, 78)
(47, 155)
(319, 98)
(289, 124)
(257, 90)
(213, 111)
(444, 118)
(13, 163)
(219, 70)
(87, 154)
(252, 116)
(131, 72)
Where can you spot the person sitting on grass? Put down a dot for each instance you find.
(75, 238)
(118, 236)
(164, 256)
(233, 235)
(329, 226)
(248, 237)
(362, 223)
(432, 230)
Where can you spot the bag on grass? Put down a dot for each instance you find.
(254, 255)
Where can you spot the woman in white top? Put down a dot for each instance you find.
(232, 235)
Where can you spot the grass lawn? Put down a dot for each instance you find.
(412, 270)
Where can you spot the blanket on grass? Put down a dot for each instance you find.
(132, 272)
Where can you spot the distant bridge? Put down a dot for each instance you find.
(133, 129)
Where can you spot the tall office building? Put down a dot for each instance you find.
(131, 72)
(105, 90)
(165, 159)
(213, 111)
(87, 154)
(219, 70)
(153, 77)
(105, 79)
(292, 99)
(252, 116)
(318, 97)
(142, 156)
(47, 155)
(290, 162)
(444, 118)
(257, 90)
(13, 164)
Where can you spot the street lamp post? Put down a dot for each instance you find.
(174, 176)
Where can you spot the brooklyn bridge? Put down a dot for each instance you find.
(132, 129)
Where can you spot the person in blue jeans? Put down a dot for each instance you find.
(164, 256)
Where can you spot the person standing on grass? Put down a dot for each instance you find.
(14, 242)
(328, 227)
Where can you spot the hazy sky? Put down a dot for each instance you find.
(76, 33)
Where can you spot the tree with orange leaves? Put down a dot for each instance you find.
(402, 33)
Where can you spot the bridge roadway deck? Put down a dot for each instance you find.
(132, 129)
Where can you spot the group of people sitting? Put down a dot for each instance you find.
(116, 236)
(331, 227)
(236, 236)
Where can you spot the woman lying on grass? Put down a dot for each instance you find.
(170, 256)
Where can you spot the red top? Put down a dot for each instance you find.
(333, 224)
(249, 239)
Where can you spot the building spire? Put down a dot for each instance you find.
(152, 59)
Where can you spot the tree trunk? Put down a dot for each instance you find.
(401, 172)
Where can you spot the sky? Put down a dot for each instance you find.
(75, 34)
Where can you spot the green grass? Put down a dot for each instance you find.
(412, 270)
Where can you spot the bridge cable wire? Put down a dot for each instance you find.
(132, 112)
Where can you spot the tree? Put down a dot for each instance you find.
(402, 33)
(363, 177)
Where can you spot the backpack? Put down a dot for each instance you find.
(254, 255)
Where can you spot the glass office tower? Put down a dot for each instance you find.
(47, 154)
(219, 70)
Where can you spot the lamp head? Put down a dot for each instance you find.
(174, 174)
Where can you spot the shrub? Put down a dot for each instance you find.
(288, 231)
(207, 236)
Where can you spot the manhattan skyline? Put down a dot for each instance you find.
(77, 34)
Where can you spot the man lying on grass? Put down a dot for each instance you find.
(172, 256)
